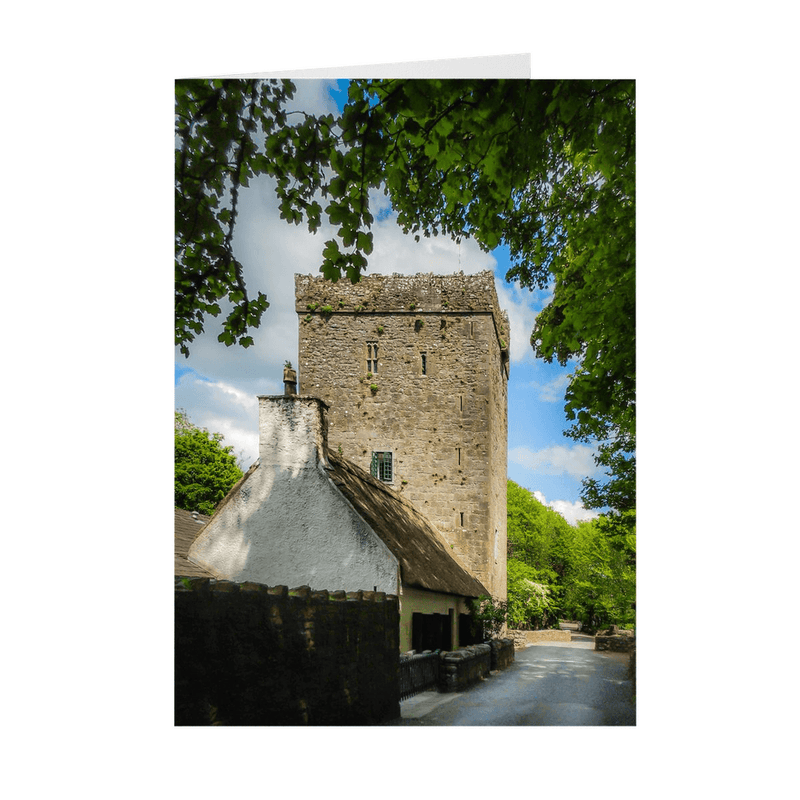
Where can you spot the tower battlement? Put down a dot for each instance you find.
(404, 294)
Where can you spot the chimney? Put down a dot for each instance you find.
(292, 432)
(289, 380)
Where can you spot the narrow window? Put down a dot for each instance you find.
(459, 456)
(424, 363)
(462, 519)
(381, 467)
(372, 357)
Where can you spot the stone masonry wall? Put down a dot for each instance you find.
(502, 652)
(523, 639)
(391, 294)
(617, 642)
(498, 455)
(249, 654)
(459, 669)
(437, 400)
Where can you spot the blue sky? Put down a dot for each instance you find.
(217, 386)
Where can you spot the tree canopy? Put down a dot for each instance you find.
(585, 572)
(205, 470)
(546, 167)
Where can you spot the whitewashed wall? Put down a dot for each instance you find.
(288, 524)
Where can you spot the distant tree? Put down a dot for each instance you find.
(585, 572)
(535, 533)
(205, 470)
(600, 583)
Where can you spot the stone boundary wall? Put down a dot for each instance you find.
(459, 669)
(502, 653)
(617, 642)
(250, 654)
(523, 639)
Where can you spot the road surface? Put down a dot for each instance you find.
(552, 684)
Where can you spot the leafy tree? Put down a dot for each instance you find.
(600, 585)
(587, 570)
(545, 167)
(205, 470)
(535, 533)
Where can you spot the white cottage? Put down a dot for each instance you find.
(305, 516)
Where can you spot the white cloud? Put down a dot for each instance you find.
(572, 512)
(552, 392)
(312, 95)
(223, 408)
(522, 306)
(576, 461)
(395, 251)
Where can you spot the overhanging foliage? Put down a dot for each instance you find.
(546, 167)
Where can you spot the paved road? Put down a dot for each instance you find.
(556, 684)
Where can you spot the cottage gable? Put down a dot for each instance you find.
(285, 522)
(304, 516)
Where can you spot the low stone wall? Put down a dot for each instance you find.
(523, 639)
(616, 643)
(502, 653)
(459, 669)
(620, 641)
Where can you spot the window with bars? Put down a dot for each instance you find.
(381, 467)
(372, 357)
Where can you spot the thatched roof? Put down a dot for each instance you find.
(426, 560)
(187, 529)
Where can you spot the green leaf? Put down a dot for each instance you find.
(330, 271)
(364, 242)
(331, 250)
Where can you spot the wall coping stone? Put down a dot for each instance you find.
(304, 593)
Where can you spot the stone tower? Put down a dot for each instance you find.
(415, 371)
